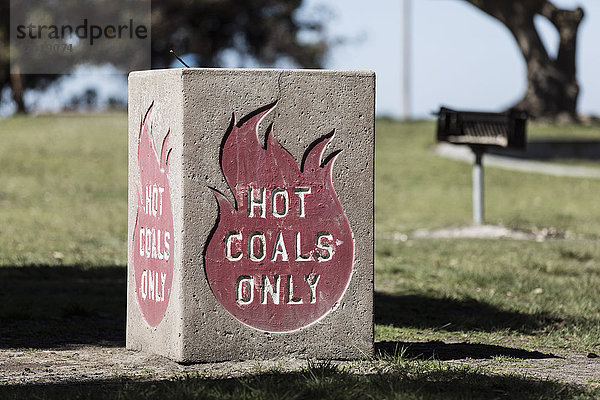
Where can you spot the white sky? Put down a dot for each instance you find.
(460, 56)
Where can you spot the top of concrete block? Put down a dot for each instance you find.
(186, 71)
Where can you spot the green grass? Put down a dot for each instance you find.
(63, 233)
(528, 293)
(536, 294)
(414, 189)
(63, 190)
(63, 230)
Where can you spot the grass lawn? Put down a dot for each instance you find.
(63, 190)
(539, 293)
(63, 233)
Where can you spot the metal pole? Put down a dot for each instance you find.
(478, 186)
(406, 50)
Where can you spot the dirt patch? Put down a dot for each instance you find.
(543, 364)
(93, 363)
(574, 368)
(100, 364)
(486, 232)
(475, 232)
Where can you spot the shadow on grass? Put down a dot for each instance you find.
(424, 312)
(538, 149)
(405, 380)
(455, 351)
(62, 306)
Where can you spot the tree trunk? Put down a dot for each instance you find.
(18, 93)
(552, 89)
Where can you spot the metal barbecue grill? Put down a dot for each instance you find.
(480, 130)
(505, 130)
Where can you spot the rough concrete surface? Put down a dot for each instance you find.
(196, 107)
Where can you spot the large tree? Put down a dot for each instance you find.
(265, 31)
(552, 88)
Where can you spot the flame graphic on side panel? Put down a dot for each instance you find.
(153, 234)
(281, 257)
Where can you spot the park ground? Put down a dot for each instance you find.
(454, 317)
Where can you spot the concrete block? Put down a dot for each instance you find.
(251, 214)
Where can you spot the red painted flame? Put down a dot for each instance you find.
(153, 242)
(314, 233)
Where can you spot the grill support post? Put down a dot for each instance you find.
(480, 130)
(478, 185)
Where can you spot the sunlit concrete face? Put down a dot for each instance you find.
(262, 245)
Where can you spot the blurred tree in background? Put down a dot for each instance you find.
(262, 31)
(552, 88)
(13, 80)
(265, 30)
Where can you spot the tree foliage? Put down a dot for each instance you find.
(264, 31)
(552, 88)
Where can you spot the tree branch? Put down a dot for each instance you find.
(518, 16)
(566, 23)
